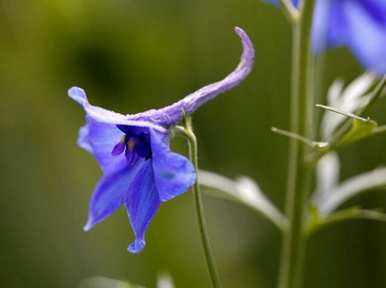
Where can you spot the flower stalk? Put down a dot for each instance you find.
(290, 10)
(187, 130)
(299, 173)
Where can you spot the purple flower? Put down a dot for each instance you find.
(139, 169)
(359, 25)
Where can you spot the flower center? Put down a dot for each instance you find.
(131, 144)
(135, 143)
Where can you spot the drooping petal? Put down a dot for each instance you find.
(142, 204)
(103, 115)
(102, 138)
(104, 141)
(83, 139)
(103, 130)
(111, 192)
(173, 173)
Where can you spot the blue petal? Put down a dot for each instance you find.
(173, 173)
(376, 8)
(111, 192)
(101, 132)
(321, 25)
(367, 37)
(337, 30)
(142, 204)
(359, 25)
(105, 116)
(83, 139)
(100, 139)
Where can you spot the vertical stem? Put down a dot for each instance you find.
(299, 175)
(193, 156)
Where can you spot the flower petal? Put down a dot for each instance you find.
(102, 133)
(100, 139)
(376, 8)
(338, 30)
(142, 204)
(111, 192)
(105, 116)
(321, 25)
(83, 139)
(173, 173)
(367, 37)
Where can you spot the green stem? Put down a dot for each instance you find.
(299, 174)
(193, 156)
(290, 10)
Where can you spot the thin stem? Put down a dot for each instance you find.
(299, 174)
(319, 62)
(290, 10)
(193, 156)
(308, 142)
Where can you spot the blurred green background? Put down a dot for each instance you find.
(131, 55)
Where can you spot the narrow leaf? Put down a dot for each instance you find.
(345, 215)
(350, 99)
(327, 172)
(352, 187)
(244, 191)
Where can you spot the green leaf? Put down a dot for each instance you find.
(360, 129)
(354, 213)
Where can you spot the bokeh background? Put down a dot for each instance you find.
(131, 55)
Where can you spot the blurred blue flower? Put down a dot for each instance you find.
(139, 169)
(357, 24)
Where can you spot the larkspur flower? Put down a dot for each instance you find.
(359, 25)
(139, 169)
